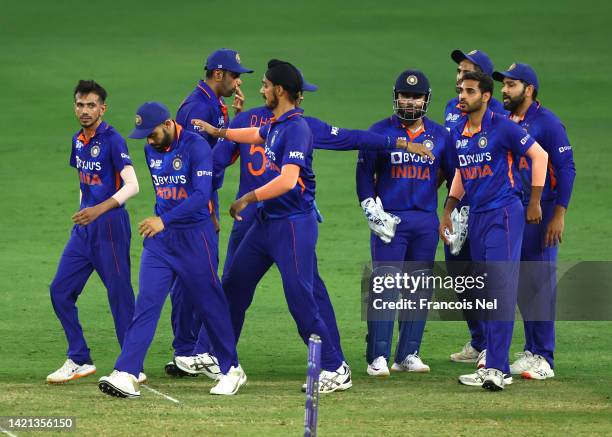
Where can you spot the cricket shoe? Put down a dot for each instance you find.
(70, 371)
(467, 355)
(229, 383)
(142, 378)
(344, 363)
(120, 385)
(171, 369)
(477, 378)
(524, 362)
(378, 367)
(339, 380)
(494, 380)
(199, 364)
(412, 363)
(481, 363)
(540, 369)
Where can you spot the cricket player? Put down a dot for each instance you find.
(285, 227)
(100, 238)
(252, 167)
(459, 264)
(178, 244)
(223, 69)
(537, 284)
(487, 147)
(405, 185)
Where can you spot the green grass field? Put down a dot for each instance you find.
(353, 50)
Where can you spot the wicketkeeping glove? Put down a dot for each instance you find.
(380, 222)
(460, 229)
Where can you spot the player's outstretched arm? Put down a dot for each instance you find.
(129, 189)
(247, 135)
(539, 161)
(275, 188)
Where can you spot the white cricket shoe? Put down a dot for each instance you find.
(199, 364)
(229, 383)
(477, 378)
(412, 363)
(339, 380)
(467, 355)
(524, 362)
(344, 363)
(142, 378)
(120, 385)
(378, 367)
(494, 380)
(70, 371)
(481, 362)
(540, 369)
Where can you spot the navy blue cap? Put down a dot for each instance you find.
(412, 81)
(477, 57)
(518, 72)
(148, 117)
(226, 59)
(306, 86)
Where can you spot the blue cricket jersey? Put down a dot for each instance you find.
(487, 161)
(182, 179)
(405, 181)
(99, 161)
(288, 140)
(546, 128)
(203, 104)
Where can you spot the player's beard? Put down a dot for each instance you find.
(272, 104)
(513, 102)
(163, 144)
(471, 108)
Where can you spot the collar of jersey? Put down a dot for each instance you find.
(174, 143)
(486, 121)
(101, 128)
(289, 114)
(398, 123)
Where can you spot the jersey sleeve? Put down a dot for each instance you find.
(225, 153)
(197, 111)
(73, 155)
(517, 140)
(201, 178)
(330, 137)
(561, 158)
(298, 144)
(265, 130)
(119, 153)
(448, 162)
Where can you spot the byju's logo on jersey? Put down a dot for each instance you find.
(95, 150)
(155, 163)
(177, 163)
(482, 142)
(461, 144)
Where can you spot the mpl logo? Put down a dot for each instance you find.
(155, 163)
(461, 144)
(296, 155)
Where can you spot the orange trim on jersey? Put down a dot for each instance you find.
(418, 132)
(510, 162)
(211, 207)
(204, 91)
(235, 156)
(301, 183)
(553, 177)
(466, 130)
(117, 180)
(84, 139)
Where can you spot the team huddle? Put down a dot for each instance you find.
(509, 171)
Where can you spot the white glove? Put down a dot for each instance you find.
(460, 229)
(380, 222)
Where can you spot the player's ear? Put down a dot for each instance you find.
(103, 108)
(486, 97)
(529, 90)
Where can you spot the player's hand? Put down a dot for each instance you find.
(534, 213)
(238, 103)
(150, 226)
(417, 148)
(237, 206)
(86, 215)
(554, 230)
(445, 223)
(203, 126)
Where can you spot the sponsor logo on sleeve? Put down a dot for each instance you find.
(525, 139)
(126, 156)
(296, 155)
(334, 130)
(204, 173)
(564, 149)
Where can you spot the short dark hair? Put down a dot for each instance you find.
(534, 95)
(485, 82)
(90, 86)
